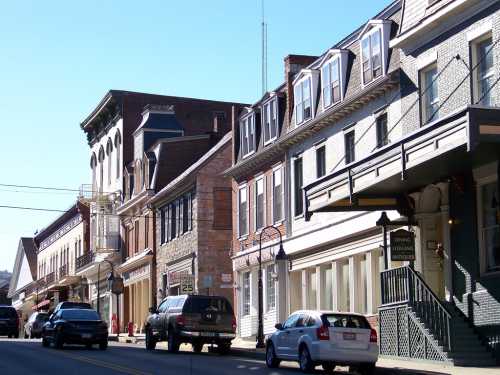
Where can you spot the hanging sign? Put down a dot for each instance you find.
(402, 245)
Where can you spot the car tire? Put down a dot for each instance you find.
(173, 342)
(45, 343)
(88, 346)
(9, 336)
(328, 367)
(16, 334)
(26, 336)
(103, 345)
(367, 369)
(150, 340)
(305, 362)
(271, 360)
(58, 340)
(224, 348)
(197, 347)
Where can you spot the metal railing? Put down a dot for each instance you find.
(63, 270)
(405, 286)
(84, 260)
(49, 278)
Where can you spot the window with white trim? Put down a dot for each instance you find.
(270, 288)
(484, 72)
(270, 120)
(298, 181)
(320, 161)
(489, 225)
(429, 96)
(242, 211)
(246, 294)
(260, 209)
(371, 56)
(277, 195)
(302, 99)
(382, 132)
(247, 135)
(349, 144)
(330, 81)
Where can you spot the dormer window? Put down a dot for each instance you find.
(303, 103)
(371, 51)
(270, 120)
(247, 135)
(330, 81)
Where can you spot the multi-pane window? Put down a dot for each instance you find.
(298, 181)
(247, 135)
(330, 78)
(260, 212)
(485, 71)
(349, 144)
(429, 94)
(173, 220)
(270, 289)
(242, 211)
(270, 120)
(320, 161)
(490, 226)
(371, 51)
(277, 195)
(246, 294)
(303, 103)
(177, 217)
(186, 202)
(382, 134)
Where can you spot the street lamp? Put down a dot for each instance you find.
(281, 255)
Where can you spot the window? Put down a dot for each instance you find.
(173, 220)
(382, 135)
(247, 135)
(429, 94)
(118, 141)
(349, 147)
(146, 232)
(270, 289)
(136, 236)
(298, 181)
(109, 151)
(260, 210)
(277, 195)
(320, 161)
(371, 51)
(303, 105)
(489, 226)
(484, 73)
(270, 120)
(246, 294)
(185, 213)
(162, 226)
(330, 77)
(242, 211)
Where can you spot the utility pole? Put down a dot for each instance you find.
(264, 51)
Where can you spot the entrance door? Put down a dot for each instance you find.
(433, 263)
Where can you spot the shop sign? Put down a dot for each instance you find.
(226, 277)
(135, 274)
(402, 245)
(186, 284)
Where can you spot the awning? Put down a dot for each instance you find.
(382, 180)
(44, 303)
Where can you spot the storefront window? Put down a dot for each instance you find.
(490, 227)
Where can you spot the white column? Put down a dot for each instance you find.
(305, 289)
(372, 282)
(320, 288)
(447, 266)
(337, 282)
(281, 289)
(354, 276)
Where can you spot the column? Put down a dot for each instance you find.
(320, 289)
(337, 282)
(305, 290)
(354, 281)
(447, 261)
(372, 282)
(281, 288)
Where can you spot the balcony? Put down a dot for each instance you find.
(63, 270)
(84, 260)
(49, 279)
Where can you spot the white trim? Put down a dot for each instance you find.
(279, 168)
(427, 59)
(373, 26)
(248, 121)
(240, 187)
(273, 100)
(479, 31)
(260, 177)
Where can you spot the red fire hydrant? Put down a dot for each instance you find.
(130, 329)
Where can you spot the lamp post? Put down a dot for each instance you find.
(281, 255)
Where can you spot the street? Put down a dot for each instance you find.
(29, 357)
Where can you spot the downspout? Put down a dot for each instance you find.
(153, 262)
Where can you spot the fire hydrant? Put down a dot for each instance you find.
(130, 329)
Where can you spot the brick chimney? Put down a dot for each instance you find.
(293, 65)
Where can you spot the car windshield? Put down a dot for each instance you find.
(42, 316)
(345, 321)
(198, 304)
(7, 313)
(80, 314)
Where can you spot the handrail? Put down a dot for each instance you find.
(415, 273)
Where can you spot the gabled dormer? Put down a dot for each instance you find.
(248, 132)
(305, 87)
(374, 50)
(270, 117)
(333, 67)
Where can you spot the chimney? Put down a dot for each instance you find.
(293, 65)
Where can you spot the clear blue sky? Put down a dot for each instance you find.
(59, 58)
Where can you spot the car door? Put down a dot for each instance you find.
(155, 320)
(50, 325)
(283, 337)
(296, 332)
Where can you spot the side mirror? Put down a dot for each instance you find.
(153, 310)
(278, 326)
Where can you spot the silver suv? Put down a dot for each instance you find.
(324, 338)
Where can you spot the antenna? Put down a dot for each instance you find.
(264, 51)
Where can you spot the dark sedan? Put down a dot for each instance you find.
(75, 326)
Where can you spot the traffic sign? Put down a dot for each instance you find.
(187, 284)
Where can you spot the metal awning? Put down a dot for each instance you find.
(382, 180)
(44, 303)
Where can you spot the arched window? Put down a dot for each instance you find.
(109, 150)
(93, 165)
(101, 168)
(118, 142)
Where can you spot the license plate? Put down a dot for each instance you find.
(86, 335)
(209, 334)
(349, 336)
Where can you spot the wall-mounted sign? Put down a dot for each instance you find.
(186, 283)
(208, 281)
(402, 245)
(226, 277)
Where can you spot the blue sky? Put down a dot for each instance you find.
(59, 58)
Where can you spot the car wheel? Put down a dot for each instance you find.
(103, 345)
(224, 347)
(367, 369)
(271, 360)
(150, 340)
(45, 343)
(305, 361)
(173, 343)
(59, 341)
(197, 347)
(88, 346)
(16, 335)
(9, 336)
(26, 336)
(328, 367)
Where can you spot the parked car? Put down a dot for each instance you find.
(324, 338)
(9, 321)
(71, 305)
(33, 327)
(75, 326)
(193, 319)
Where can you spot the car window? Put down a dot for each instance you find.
(345, 321)
(163, 306)
(201, 304)
(291, 321)
(311, 321)
(42, 317)
(7, 313)
(79, 314)
(302, 321)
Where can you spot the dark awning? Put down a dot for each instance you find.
(383, 179)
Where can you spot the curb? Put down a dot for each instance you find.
(246, 353)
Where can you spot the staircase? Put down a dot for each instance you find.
(414, 323)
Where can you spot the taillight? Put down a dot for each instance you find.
(180, 320)
(234, 324)
(373, 336)
(323, 333)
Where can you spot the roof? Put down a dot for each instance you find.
(226, 140)
(27, 247)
